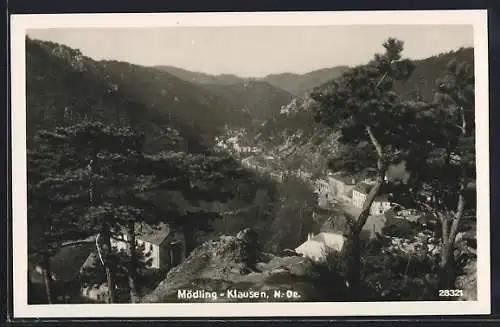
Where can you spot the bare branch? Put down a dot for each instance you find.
(458, 215)
(381, 80)
(80, 242)
(374, 141)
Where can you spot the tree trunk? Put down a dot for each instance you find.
(447, 267)
(189, 239)
(47, 278)
(447, 275)
(354, 265)
(111, 285)
(354, 259)
(108, 264)
(132, 271)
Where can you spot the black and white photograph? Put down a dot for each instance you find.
(250, 164)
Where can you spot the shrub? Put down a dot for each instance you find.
(329, 277)
(400, 228)
(392, 275)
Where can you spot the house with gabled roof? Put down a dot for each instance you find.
(317, 247)
(65, 268)
(380, 204)
(163, 245)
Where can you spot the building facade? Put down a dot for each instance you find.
(359, 193)
(323, 192)
(162, 245)
(341, 185)
(380, 204)
(317, 247)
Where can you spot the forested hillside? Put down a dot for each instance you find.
(296, 137)
(299, 84)
(197, 77)
(258, 101)
(62, 80)
(422, 82)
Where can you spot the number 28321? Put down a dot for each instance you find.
(451, 293)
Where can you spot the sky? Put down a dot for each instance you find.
(256, 51)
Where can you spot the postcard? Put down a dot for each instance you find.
(257, 164)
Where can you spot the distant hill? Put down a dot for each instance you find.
(186, 102)
(422, 81)
(260, 101)
(300, 84)
(197, 77)
(296, 84)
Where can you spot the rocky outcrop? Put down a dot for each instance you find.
(232, 264)
(468, 281)
(466, 257)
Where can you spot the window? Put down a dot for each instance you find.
(151, 247)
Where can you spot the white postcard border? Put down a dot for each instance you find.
(21, 23)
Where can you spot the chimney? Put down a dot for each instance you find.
(309, 236)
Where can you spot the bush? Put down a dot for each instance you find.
(391, 275)
(329, 277)
(400, 228)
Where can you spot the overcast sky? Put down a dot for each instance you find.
(256, 51)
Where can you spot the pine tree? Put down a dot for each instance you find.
(363, 105)
(98, 163)
(54, 190)
(120, 185)
(446, 186)
(114, 155)
(199, 179)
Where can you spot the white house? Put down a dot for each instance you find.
(162, 245)
(380, 204)
(317, 247)
(323, 192)
(359, 193)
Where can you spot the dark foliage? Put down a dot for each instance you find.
(254, 101)
(401, 228)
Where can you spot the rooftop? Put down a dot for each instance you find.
(66, 263)
(382, 198)
(90, 261)
(312, 248)
(151, 234)
(343, 177)
(318, 245)
(363, 187)
(332, 240)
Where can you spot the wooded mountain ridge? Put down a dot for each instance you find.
(295, 137)
(61, 79)
(296, 84)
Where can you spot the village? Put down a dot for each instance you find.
(339, 194)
